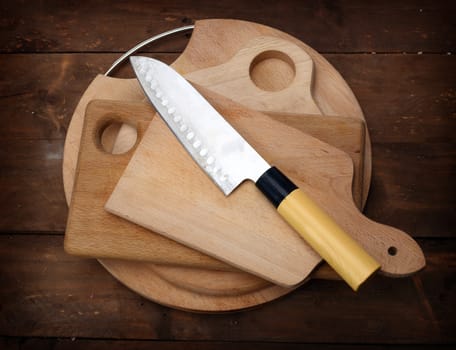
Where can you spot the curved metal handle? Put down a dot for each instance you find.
(139, 46)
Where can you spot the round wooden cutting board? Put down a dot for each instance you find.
(213, 43)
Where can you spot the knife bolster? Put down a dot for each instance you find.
(275, 185)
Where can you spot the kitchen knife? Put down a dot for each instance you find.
(228, 159)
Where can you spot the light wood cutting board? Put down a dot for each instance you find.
(90, 228)
(163, 190)
(91, 231)
(342, 132)
(213, 42)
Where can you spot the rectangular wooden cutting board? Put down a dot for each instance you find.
(91, 231)
(165, 192)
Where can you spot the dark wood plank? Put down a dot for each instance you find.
(409, 109)
(44, 292)
(409, 102)
(35, 113)
(343, 26)
(39, 92)
(413, 188)
(13, 343)
(31, 186)
(406, 98)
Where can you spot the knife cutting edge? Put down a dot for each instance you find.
(228, 159)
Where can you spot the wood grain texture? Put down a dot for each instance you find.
(228, 221)
(409, 104)
(197, 56)
(111, 237)
(31, 197)
(405, 98)
(138, 199)
(329, 90)
(41, 103)
(31, 343)
(79, 299)
(412, 193)
(345, 26)
(267, 74)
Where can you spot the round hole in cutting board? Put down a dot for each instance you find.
(392, 251)
(272, 70)
(118, 138)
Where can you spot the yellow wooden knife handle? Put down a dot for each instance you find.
(318, 229)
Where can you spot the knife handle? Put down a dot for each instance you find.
(317, 228)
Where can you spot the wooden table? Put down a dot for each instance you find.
(398, 57)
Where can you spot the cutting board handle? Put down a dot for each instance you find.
(268, 74)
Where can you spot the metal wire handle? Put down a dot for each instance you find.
(139, 46)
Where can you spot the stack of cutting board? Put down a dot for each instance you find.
(133, 207)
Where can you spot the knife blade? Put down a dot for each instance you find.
(228, 159)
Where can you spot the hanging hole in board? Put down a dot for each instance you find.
(392, 251)
(272, 70)
(117, 137)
